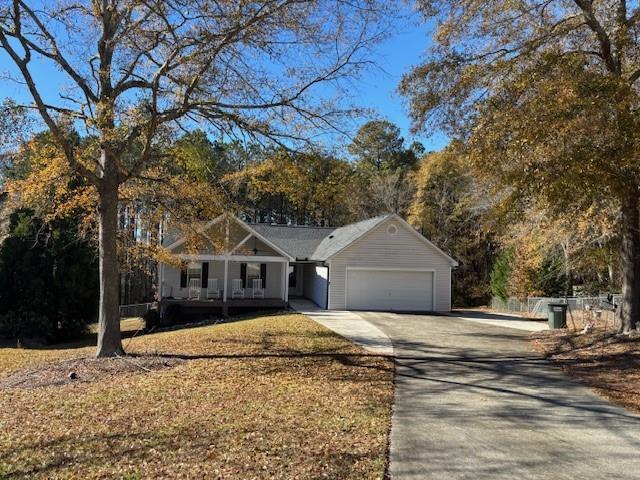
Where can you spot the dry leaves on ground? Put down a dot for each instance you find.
(270, 397)
(601, 359)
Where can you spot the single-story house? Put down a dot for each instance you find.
(381, 263)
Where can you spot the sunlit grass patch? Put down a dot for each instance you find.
(276, 396)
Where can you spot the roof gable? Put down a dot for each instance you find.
(242, 224)
(381, 220)
(342, 237)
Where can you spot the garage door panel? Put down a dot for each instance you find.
(389, 290)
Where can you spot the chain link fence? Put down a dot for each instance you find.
(537, 307)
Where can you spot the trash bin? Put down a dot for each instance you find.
(557, 315)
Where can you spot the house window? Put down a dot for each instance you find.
(292, 276)
(253, 271)
(194, 270)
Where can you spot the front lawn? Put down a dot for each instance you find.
(269, 397)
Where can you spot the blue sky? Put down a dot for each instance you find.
(378, 87)
(376, 90)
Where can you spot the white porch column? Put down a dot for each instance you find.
(285, 284)
(226, 274)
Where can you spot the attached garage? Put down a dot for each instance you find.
(381, 263)
(389, 289)
(385, 264)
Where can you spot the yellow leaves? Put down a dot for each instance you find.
(278, 175)
(309, 183)
(49, 186)
(45, 183)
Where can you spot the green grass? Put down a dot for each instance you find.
(268, 397)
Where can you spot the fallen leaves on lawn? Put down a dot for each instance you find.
(86, 370)
(607, 362)
(270, 397)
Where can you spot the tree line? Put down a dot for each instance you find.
(440, 193)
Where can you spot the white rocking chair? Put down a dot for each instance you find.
(194, 289)
(236, 288)
(256, 288)
(212, 289)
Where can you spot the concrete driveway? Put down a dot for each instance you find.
(474, 401)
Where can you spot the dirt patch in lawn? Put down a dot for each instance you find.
(86, 370)
(607, 362)
(262, 398)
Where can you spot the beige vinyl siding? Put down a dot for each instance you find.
(315, 284)
(378, 248)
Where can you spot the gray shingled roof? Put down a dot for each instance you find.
(298, 241)
(305, 242)
(343, 236)
(314, 243)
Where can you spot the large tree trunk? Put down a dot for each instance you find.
(630, 263)
(109, 340)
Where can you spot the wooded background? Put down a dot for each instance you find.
(536, 194)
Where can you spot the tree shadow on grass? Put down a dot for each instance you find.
(90, 339)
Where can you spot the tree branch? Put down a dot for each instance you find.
(603, 38)
(22, 64)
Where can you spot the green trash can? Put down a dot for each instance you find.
(557, 315)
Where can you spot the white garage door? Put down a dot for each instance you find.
(389, 290)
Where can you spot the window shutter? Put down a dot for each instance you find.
(205, 275)
(263, 274)
(243, 274)
(183, 277)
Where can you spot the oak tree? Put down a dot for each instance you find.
(545, 93)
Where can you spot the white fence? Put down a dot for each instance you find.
(539, 306)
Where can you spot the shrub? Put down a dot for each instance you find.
(48, 280)
(25, 324)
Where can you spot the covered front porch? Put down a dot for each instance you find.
(217, 283)
(246, 271)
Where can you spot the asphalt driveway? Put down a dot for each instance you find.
(475, 401)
